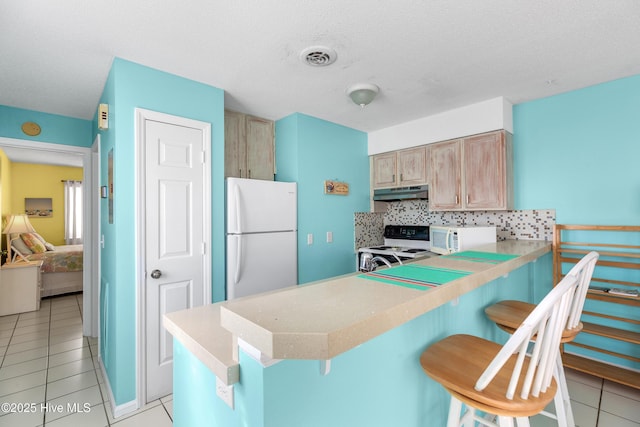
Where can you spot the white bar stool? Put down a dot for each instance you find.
(509, 314)
(503, 380)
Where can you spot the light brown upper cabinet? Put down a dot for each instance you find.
(474, 173)
(400, 168)
(248, 146)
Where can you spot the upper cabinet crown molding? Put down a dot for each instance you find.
(474, 173)
(249, 146)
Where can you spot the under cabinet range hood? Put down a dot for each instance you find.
(401, 193)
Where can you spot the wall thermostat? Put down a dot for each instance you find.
(103, 116)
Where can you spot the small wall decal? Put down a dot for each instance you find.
(336, 187)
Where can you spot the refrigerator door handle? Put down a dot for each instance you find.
(238, 259)
(238, 213)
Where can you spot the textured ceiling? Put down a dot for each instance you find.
(426, 56)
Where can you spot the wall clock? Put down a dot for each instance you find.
(31, 128)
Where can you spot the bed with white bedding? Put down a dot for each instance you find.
(62, 265)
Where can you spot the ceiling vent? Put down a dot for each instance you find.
(318, 56)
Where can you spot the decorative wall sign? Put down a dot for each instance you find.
(336, 187)
(38, 207)
(31, 128)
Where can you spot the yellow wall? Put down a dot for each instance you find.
(5, 185)
(34, 181)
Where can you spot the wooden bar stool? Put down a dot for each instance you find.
(509, 314)
(503, 380)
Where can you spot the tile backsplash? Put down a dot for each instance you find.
(368, 227)
(535, 224)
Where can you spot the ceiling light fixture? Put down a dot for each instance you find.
(363, 93)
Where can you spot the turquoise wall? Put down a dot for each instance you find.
(131, 86)
(379, 383)
(310, 151)
(54, 129)
(579, 153)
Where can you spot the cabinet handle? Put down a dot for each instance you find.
(240, 173)
(393, 177)
(456, 199)
(249, 174)
(467, 199)
(401, 178)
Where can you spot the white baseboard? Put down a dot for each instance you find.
(119, 410)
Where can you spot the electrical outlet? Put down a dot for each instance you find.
(329, 236)
(309, 239)
(224, 392)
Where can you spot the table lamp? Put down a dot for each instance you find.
(17, 224)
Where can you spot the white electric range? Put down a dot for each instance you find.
(401, 243)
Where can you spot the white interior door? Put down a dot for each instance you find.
(175, 226)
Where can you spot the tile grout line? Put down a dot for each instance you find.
(600, 402)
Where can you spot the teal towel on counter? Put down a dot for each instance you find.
(415, 276)
(476, 256)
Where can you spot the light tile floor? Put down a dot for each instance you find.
(598, 403)
(45, 362)
(50, 376)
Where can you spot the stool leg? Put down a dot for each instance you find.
(562, 399)
(504, 421)
(522, 421)
(456, 418)
(561, 413)
(454, 412)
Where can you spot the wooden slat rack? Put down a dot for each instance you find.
(617, 258)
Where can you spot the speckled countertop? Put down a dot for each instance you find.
(323, 319)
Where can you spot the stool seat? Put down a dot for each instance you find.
(508, 315)
(457, 362)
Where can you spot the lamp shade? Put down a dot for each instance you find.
(18, 224)
(363, 93)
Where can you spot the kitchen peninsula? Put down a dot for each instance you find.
(343, 351)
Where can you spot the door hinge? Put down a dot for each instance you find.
(204, 248)
(203, 157)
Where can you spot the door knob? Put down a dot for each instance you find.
(156, 274)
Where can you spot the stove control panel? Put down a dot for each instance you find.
(407, 232)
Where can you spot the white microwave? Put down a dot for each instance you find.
(446, 239)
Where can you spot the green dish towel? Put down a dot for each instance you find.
(476, 256)
(415, 276)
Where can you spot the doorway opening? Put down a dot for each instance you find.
(48, 153)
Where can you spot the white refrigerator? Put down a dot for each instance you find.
(262, 229)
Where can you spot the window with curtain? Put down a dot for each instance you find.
(73, 212)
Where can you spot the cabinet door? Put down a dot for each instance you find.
(260, 148)
(384, 170)
(412, 166)
(445, 176)
(234, 145)
(485, 172)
